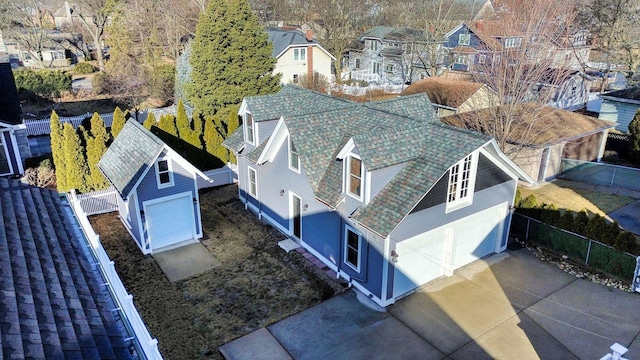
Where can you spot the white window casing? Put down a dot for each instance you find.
(354, 177)
(252, 182)
(164, 173)
(294, 158)
(352, 248)
(248, 125)
(299, 54)
(462, 183)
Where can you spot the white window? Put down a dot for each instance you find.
(300, 54)
(57, 55)
(253, 183)
(389, 68)
(482, 59)
(375, 67)
(164, 175)
(461, 59)
(294, 159)
(248, 121)
(357, 63)
(512, 42)
(464, 39)
(354, 177)
(373, 45)
(352, 248)
(461, 185)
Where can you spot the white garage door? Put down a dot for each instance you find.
(432, 254)
(170, 222)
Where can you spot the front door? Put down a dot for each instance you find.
(296, 216)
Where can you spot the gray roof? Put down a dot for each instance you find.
(131, 153)
(291, 101)
(632, 93)
(53, 303)
(235, 141)
(390, 33)
(416, 106)
(281, 39)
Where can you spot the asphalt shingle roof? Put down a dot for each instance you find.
(283, 38)
(415, 106)
(130, 154)
(52, 303)
(235, 141)
(447, 92)
(632, 93)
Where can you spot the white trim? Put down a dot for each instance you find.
(16, 151)
(462, 201)
(289, 152)
(169, 171)
(196, 214)
(279, 134)
(345, 256)
(300, 52)
(364, 290)
(455, 29)
(4, 148)
(346, 149)
(245, 128)
(347, 179)
(307, 45)
(386, 259)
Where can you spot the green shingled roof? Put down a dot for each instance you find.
(291, 101)
(416, 106)
(235, 141)
(130, 154)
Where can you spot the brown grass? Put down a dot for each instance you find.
(257, 284)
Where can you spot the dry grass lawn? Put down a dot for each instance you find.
(257, 284)
(565, 195)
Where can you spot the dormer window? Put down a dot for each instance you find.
(164, 175)
(354, 177)
(461, 184)
(294, 158)
(512, 42)
(248, 120)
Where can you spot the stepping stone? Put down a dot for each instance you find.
(288, 245)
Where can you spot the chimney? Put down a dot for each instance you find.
(480, 26)
(310, 63)
(309, 34)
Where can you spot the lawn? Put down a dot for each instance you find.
(569, 195)
(257, 284)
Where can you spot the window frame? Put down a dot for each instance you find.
(252, 185)
(357, 64)
(464, 39)
(349, 175)
(358, 251)
(482, 58)
(296, 78)
(375, 67)
(299, 54)
(461, 183)
(512, 42)
(168, 171)
(373, 45)
(390, 68)
(293, 151)
(249, 124)
(461, 59)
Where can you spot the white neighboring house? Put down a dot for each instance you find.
(298, 54)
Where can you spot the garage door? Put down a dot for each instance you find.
(432, 254)
(170, 222)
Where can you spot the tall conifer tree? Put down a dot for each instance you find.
(57, 151)
(76, 163)
(150, 121)
(230, 58)
(96, 147)
(118, 122)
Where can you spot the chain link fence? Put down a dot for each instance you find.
(591, 253)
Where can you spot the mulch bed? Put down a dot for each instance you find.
(258, 283)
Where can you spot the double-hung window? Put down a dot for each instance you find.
(354, 177)
(253, 183)
(164, 176)
(373, 45)
(352, 248)
(464, 39)
(294, 158)
(249, 127)
(461, 186)
(299, 54)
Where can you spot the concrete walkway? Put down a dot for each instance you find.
(510, 306)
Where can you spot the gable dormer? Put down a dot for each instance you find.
(249, 128)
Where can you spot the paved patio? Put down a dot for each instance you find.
(510, 306)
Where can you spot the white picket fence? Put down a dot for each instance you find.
(146, 344)
(98, 202)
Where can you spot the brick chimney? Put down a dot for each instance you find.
(309, 34)
(310, 63)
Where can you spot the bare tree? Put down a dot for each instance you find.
(25, 21)
(520, 71)
(95, 15)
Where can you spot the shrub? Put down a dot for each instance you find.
(566, 221)
(529, 202)
(48, 84)
(596, 229)
(84, 68)
(580, 222)
(549, 214)
(634, 139)
(518, 198)
(162, 82)
(99, 83)
(626, 241)
(41, 176)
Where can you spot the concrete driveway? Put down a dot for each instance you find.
(510, 306)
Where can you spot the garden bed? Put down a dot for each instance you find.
(258, 283)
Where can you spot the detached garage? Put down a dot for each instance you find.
(159, 202)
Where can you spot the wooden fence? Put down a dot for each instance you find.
(146, 345)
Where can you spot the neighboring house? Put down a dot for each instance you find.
(571, 91)
(390, 55)
(558, 134)
(14, 145)
(453, 96)
(569, 48)
(159, 203)
(469, 48)
(620, 107)
(55, 302)
(298, 54)
(381, 192)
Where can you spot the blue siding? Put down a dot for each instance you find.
(183, 181)
(619, 112)
(474, 42)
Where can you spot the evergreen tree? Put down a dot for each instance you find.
(198, 129)
(213, 140)
(150, 121)
(167, 124)
(183, 74)
(96, 147)
(76, 163)
(57, 151)
(230, 58)
(182, 122)
(634, 139)
(118, 122)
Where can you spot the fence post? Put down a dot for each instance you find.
(586, 261)
(526, 235)
(613, 177)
